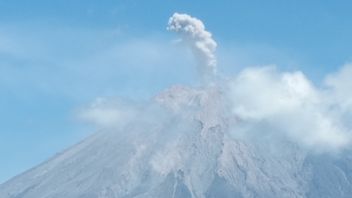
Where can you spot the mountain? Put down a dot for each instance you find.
(182, 145)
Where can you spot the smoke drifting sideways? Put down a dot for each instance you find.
(259, 102)
(199, 39)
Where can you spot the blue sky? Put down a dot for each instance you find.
(56, 57)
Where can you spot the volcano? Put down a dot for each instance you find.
(187, 142)
(184, 149)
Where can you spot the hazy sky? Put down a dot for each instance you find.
(57, 57)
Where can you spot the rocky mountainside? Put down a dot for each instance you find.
(181, 145)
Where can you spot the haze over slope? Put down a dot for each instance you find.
(261, 133)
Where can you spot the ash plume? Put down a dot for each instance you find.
(200, 40)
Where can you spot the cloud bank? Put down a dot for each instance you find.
(269, 101)
(203, 45)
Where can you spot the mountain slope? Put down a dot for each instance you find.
(180, 146)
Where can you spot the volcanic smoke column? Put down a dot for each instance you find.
(201, 42)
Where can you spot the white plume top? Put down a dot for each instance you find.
(203, 45)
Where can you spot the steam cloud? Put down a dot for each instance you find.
(269, 101)
(201, 41)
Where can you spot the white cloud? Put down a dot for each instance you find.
(203, 45)
(340, 87)
(107, 113)
(289, 104)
